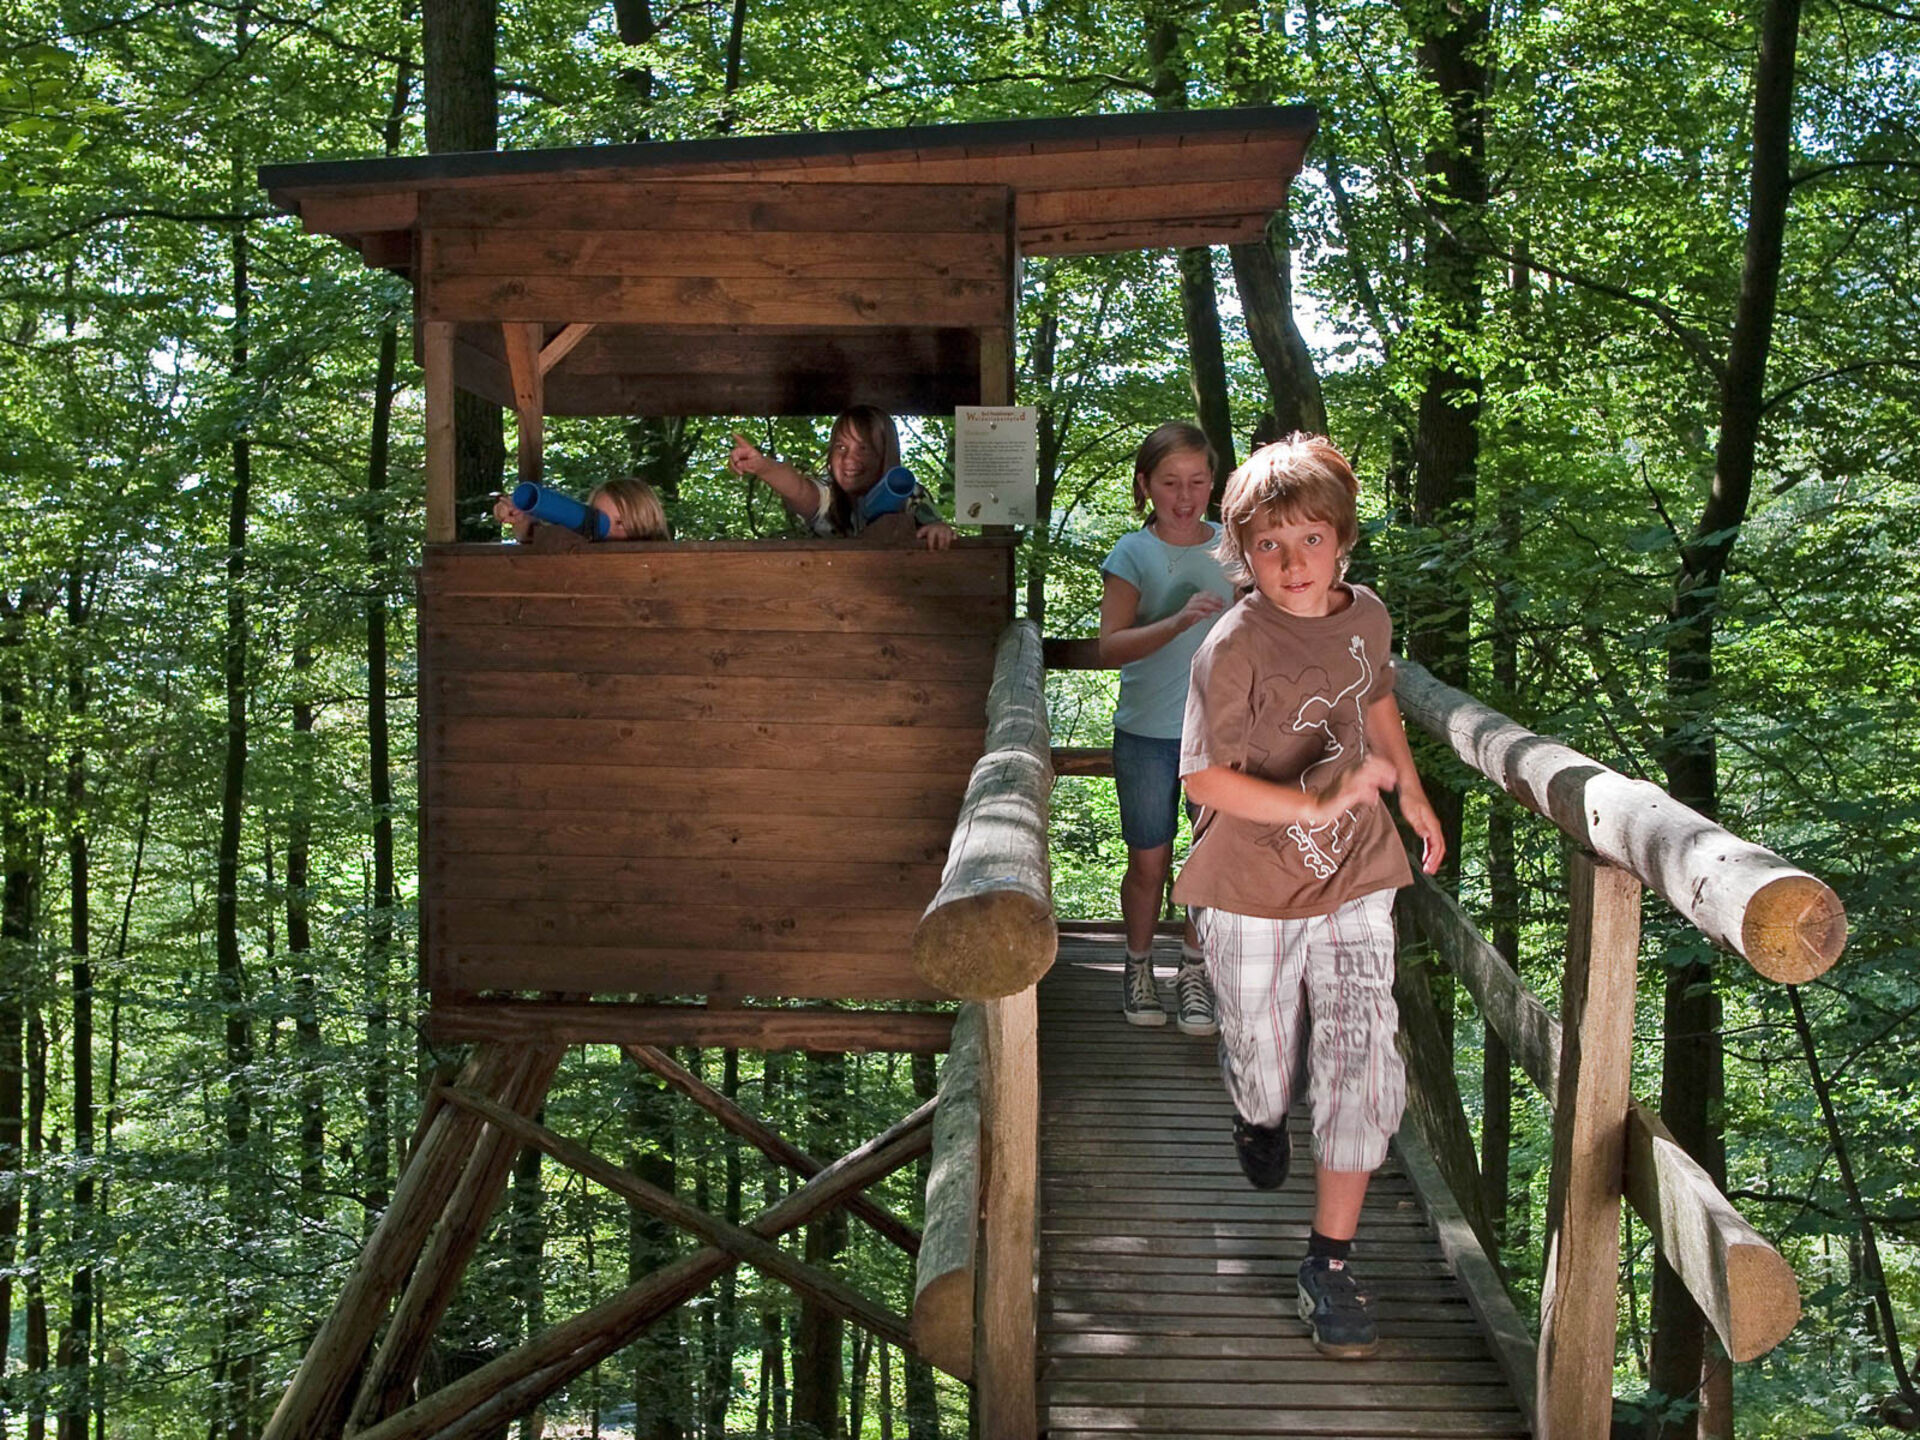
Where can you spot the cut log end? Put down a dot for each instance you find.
(1767, 1304)
(1794, 929)
(943, 1324)
(985, 946)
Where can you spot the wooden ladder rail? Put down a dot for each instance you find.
(1787, 924)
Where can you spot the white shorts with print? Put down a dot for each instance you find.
(1327, 980)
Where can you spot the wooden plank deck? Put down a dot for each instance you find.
(1167, 1282)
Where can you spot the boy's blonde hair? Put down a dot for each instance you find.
(1302, 477)
(638, 507)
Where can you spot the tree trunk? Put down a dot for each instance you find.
(236, 1362)
(773, 1412)
(1046, 344)
(306, 987)
(1450, 41)
(818, 1335)
(16, 943)
(923, 1399)
(661, 448)
(1692, 1071)
(1263, 275)
(661, 1389)
(36, 1231)
(529, 1246)
(74, 1354)
(463, 114)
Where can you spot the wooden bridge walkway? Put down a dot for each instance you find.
(1166, 1300)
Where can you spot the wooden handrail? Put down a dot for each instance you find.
(1741, 1283)
(989, 930)
(1788, 925)
(943, 1289)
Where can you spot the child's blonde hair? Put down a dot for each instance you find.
(1173, 438)
(638, 507)
(1300, 478)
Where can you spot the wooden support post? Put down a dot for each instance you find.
(529, 391)
(516, 1381)
(462, 1224)
(1579, 1294)
(314, 1405)
(436, 347)
(943, 1289)
(768, 1141)
(996, 366)
(989, 931)
(1005, 1334)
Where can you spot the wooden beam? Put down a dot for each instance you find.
(1433, 1091)
(1579, 1291)
(1789, 926)
(1516, 1014)
(463, 1222)
(1476, 1270)
(1079, 653)
(513, 1383)
(833, 1295)
(1095, 760)
(679, 300)
(436, 358)
(314, 1405)
(529, 406)
(767, 1140)
(820, 1030)
(1004, 1352)
(562, 345)
(1740, 1282)
(989, 931)
(943, 1288)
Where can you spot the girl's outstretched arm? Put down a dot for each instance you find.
(788, 483)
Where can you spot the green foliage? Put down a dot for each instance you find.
(1613, 248)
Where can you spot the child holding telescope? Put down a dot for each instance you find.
(629, 509)
(865, 480)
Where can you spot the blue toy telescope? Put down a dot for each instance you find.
(550, 507)
(890, 492)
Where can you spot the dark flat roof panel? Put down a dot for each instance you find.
(1007, 137)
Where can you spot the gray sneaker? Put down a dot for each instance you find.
(1139, 998)
(1196, 1001)
(1336, 1309)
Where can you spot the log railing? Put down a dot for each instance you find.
(988, 937)
(1629, 834)
(1788, 925)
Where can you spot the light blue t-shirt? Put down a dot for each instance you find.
(1153, 689)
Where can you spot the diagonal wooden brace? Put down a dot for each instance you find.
(834, 1296)
(767, 1140)
(506, 1387)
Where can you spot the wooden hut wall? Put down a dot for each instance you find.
(696, 769)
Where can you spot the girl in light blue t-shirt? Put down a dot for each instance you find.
(1164, 589)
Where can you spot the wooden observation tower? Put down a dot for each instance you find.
(628, 836)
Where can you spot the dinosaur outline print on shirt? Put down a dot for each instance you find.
(1322, 845)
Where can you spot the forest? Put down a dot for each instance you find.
(1614, 308)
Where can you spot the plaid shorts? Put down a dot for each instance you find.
(1326, 981)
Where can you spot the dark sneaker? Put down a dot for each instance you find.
(1196, 1001)
(1264, 1151)
(1335, 1309)
(1139, 997)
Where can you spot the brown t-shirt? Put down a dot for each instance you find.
(1285, 698)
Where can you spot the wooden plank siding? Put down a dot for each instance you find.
(720, 770)
(1167, 1282)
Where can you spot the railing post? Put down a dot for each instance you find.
(1005, 1394)
(1579, 1294)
